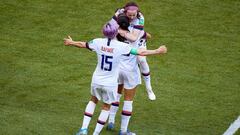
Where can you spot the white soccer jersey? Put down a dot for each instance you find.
(108, 55)
(129, 62)
(140, 40)
(138, 23)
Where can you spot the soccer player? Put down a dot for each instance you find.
(136, 19)
(104, 80)
(129, 79)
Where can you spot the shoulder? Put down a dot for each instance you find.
(140, 19)
(139, 22)
(96, 40)
(94, 43)
(123, 45)
(118, 44)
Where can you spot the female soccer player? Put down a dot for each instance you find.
(129, 78)
(136, 19)
(104, 80)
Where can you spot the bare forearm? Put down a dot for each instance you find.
(147, 52)
(69, 42)
(78, 44)
(148, 35)
(131, 36)
(161, 50)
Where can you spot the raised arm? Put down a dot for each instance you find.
(69, 42)
(143, 52)
(148, 35)
(131, 36)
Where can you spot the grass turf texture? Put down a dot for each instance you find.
(45, 86)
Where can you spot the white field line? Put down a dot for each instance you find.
(233, 127)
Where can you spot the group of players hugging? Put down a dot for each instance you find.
(120, 54)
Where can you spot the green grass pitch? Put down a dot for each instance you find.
(45, 86)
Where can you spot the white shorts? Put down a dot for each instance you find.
(107, 94)
(129, 79)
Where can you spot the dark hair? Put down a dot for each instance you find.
(132, 4)
(123, 21)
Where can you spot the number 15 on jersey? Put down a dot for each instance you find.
(106, 63)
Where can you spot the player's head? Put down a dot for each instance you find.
(110, 30)
(131, 10)
(123, 21)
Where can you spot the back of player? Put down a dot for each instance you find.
(108, 52)
(104, 81)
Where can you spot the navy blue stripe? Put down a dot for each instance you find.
(139, 27)
(144, 36)
(87, 46)
(146, 74)
(126, 114)
(115, 104)
(109, 41)
(126, 54)
(115, 18)
(86, 114)
(101, 122)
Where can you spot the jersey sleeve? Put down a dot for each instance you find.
(92, 45)
(139, 23)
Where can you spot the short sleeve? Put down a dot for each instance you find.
(91, 45)
(140, 23)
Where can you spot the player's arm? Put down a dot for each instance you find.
(148, 35)
(143, 52)
(69, 42)
(131, 36)
(135, 33)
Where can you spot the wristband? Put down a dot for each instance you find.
(134, 51)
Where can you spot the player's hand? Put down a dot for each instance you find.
(148, 35)
(68, 41)
(162, 49)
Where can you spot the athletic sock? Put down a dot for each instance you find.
(88, 114)
(126, 115)
(113, 109)
(147, 80)
(145, 70)
(101, 121)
